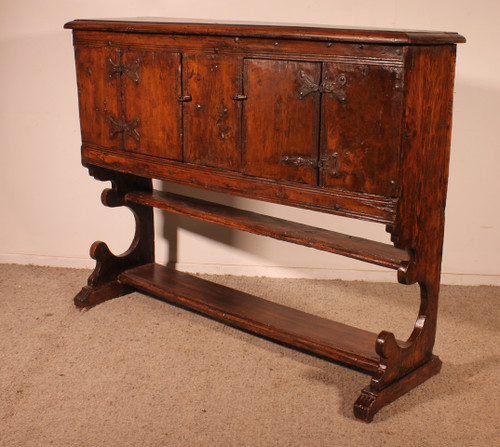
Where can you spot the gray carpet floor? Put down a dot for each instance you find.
(135, 371)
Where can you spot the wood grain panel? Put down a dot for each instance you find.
(98, 95)
(328, 200)
(152, 98)
(333, 340)
(354, 247)
(362, 127)
(278, 122)
(212, 118)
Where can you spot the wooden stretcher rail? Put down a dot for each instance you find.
(362, 249)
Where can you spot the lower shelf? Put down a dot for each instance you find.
(299, 329)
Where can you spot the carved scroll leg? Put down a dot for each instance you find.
(403, 366)
(369, 402)
(103, 283)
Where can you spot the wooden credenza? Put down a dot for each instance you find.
(351, 122)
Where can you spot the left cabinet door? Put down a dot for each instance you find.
(128, 99)
(98, 95)
(152, 113)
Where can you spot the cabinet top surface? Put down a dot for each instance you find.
(266, 30)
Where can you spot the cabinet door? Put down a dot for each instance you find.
(98, 94)
(361, 116)
(281, 124)
(151, 83)
(211, 82)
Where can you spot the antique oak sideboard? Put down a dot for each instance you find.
(351, 122)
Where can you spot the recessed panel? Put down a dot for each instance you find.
(281, 121)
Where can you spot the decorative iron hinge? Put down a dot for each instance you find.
(127, 128)
(335, 86)
(131, 70)
(327, 164)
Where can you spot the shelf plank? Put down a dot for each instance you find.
(335, 341)
(362, 249)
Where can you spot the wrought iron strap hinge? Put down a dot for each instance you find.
(327, 164)
(131, 70)
(335, 86)
(126, 127)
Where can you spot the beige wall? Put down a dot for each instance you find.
(50, 208)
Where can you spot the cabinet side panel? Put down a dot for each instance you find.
(428, 94)
(151, 87)
(98, 94)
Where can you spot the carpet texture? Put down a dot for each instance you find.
(135, 371)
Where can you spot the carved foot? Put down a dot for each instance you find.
(92, 296)
(102, 283)
(369, 401)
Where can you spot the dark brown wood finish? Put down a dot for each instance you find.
(103, 283)
(149, 95)
(282, 126)
(318, 335)
(365, 250)
(344, 121)
(368, 96)
(364, 206)
(212, 122)
(99, 94)
(266, 30)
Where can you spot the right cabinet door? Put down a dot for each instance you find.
(280, 122)
(361, 117)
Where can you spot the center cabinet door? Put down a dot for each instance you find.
(281, 125)
(212, 109)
